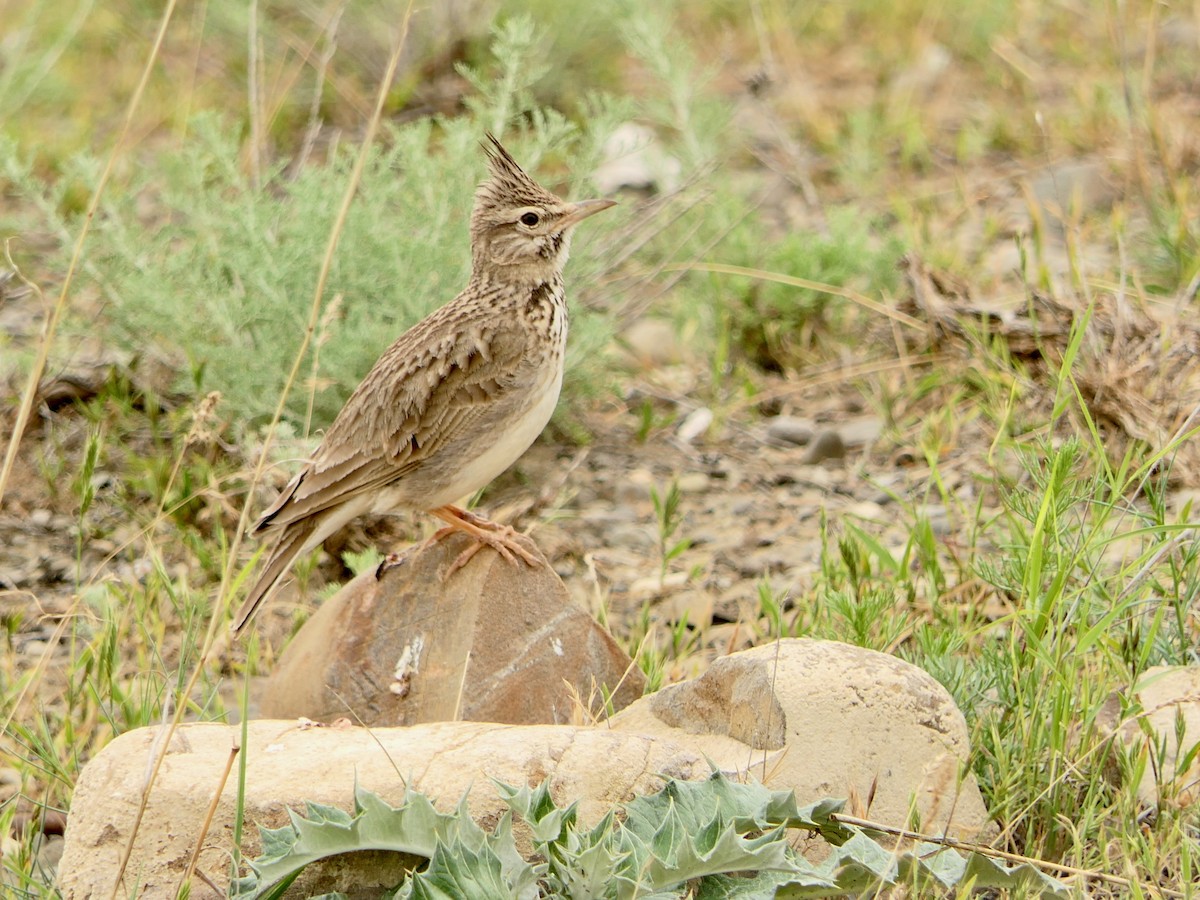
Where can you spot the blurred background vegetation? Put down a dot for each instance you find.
(1023, 151)
(812, 139)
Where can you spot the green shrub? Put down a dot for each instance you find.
(777, 326)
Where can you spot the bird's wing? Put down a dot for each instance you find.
(419, 395)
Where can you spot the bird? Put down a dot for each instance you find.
(456, 399)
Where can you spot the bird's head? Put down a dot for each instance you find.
(519, 230)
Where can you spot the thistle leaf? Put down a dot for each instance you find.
(537, 809)
(716, 839)
(861, 864)
(414, 828)
(461, 872)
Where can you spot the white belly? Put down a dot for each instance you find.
(505, 450)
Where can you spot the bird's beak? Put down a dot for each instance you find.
(577, 212)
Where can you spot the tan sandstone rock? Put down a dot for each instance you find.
(829, 720)
(287, 764)
(821, 718)
(1165, 696)
(492, 642)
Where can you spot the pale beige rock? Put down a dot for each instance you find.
(1164, 695)
(652, 343)
(1074, 186)
(492, 642)
(857, 432)
(634, 158)
(828, 720)
(287, 764)
(784, 430)
(820, 718)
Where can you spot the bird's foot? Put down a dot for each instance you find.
(501, 538)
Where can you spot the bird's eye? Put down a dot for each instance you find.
(530, 219)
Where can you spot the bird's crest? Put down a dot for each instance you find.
(509, 184)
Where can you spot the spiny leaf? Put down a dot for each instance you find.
(590, 865)
(276, 842)
(765, 886)
(665, 842)
(730, 852)
(460, 872)
(861, 864)
(423, 825)
(537, 809)
(415, 828)
(691, 830)
(747, 806)
(716, 839)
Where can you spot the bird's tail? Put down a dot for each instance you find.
(292, 543)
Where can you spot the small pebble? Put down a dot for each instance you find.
(653, 342)
(631, 537)
(633, 157)
(40, 518)
(603, 514)
(939, 519)
(761, 562)
(856, 432)
(50, 851)
(102, 481)
(10, 783)
(707, 538)
(810, 477)
(696, 605)
(827, 444)
(635, 488)
(650, 586)
(865, 509)
(694, 425)
(790, 430)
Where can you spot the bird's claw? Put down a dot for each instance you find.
(483, 532)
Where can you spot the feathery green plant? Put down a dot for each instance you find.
(218, 285)
(668, 517)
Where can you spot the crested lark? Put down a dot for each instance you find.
(458, 398)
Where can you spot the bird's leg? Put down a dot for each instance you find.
(501, 538)
(478, 521)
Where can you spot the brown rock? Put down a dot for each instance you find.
(826, 444)
(492, 642)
